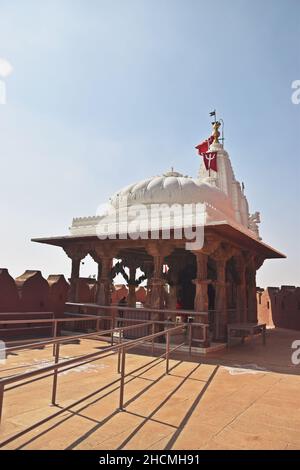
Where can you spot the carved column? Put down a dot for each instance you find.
(147, 268)
(241, 304)
(211, 244)
(76, 253)
(104, 283)
(201, 296)
(223, 253)
(221, 299)
(157, 283)
(104, 258)
(253, 264)
(132, 263)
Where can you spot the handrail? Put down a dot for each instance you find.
(18, 377)
(97, 318)
(66, 339)
(138, 309)
(161, 322)
(58, 367)
(44, 320)
(120, 348)
(26, 313)
(145, 309)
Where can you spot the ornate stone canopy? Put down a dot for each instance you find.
(216, 276)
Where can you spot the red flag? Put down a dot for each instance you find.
(204, 146)
(210, 160)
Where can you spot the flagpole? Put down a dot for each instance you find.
(222, 131)
(213, 113)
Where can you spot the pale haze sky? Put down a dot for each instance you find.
(105, 93)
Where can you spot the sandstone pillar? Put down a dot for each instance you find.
(221, 300)
(76, 253)
(241, 304)
(157, 282)
(201, 295)
(132, 263)
(104, 282)
(75, 273)
(251, 294)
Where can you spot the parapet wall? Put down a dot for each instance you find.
(279, 306)
(31, 292)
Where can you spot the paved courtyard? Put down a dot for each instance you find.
(243, 398)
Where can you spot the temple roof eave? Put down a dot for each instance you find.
(224, 231)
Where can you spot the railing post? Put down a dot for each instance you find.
(54, 336)
(1, 399)
(113, 322)
(53, 324)
(153, 331)
(119, 351)
(190, 338)
(55, 373)
(167, 352)
(122, 382)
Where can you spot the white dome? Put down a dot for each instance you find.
(172, 188)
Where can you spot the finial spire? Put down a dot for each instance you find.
(216, 134)
(216, 125)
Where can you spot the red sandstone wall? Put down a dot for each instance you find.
(119, 292)
(9, 296)
(33, 291)
(280, 307)
(58, 293)
(141, 294)
(30, 292)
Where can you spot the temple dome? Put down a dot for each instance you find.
(173, 188)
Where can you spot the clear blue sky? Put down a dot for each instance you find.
(107, 92)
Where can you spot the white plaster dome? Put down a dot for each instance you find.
(173, 188)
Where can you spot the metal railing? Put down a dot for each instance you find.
(121, 348)
(53, 321)
(116, 334)
(88, 306)
(189, 315)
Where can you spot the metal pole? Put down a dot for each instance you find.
(119, 351)
(55, 373)
(153, 331)
(113, 316)
(1, 400)
(53, 325)
(190, 339)
(122, 382)
(54, 336)
(167, 352)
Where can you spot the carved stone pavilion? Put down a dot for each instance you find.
(216, 281)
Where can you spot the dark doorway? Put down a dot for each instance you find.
(187, 287)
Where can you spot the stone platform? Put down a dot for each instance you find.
(243, 398)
